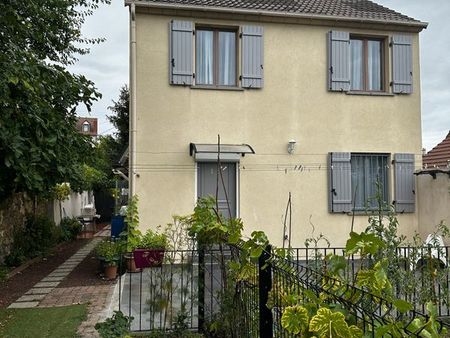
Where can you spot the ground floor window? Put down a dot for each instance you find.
(366, 171)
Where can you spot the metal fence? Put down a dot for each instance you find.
(191, 288)
(425, 270)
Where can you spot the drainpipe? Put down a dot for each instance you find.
(132, 140)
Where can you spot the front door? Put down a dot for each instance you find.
(207, 183)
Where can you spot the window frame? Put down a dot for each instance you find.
(383, 63)
(86, 124)
(386, 185)
(216, 55)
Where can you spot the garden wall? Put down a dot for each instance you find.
(433, 202)
(13, 211)
(72, 206)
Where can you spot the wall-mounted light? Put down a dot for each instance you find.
(291, 146)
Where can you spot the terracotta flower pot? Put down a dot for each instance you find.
(131, 264)
(111, 272)
(146, 258)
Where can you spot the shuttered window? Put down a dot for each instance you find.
(353, 179)
(357, 63)
(216, 53)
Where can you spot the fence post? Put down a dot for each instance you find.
(201, 287)
(265, 285)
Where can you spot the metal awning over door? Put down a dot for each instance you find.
(228, 152)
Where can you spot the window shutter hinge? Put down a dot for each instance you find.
(240, 35)
(240, 77)
(390, 44)
(193, 33)
(331, 69)
(391, 83)
(173, 62)
(193, 75)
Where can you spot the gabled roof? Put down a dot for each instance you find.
(354, 10)
(439, 156)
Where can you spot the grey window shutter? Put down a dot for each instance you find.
(340, 182)
(181, 52)
(405, 183)
(402, 64)
(252, 57)
(339, 61)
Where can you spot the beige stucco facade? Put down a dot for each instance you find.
(433, 202)
(294, 104)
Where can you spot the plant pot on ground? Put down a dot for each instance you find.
(150, 251)
(108, 253)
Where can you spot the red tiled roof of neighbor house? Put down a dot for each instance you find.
(439, 156)
(93, 125)
(352, 10)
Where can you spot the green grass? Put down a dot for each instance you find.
(61, 322)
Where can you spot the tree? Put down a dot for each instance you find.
(39, 145)
(120, 118)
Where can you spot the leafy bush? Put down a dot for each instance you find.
(115, 327)
(36, 238)
(3, 273)
(70, 228)
(153, 240)
(109, 251)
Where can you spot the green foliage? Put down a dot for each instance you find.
(120, 118)
(364, 243)
(153, 240)
(115, 327)
(132, 235)
(109, 251)
(332, 324)
(3, 273)
(61, 191)
(36, 238)
(70, 228)
(39, 97)
(295, 319)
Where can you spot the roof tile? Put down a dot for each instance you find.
(356, 9)
(439, 156)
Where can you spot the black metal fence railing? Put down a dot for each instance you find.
(190, 288)
(419, 273)
(365, 309)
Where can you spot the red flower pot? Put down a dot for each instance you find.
(147, 258)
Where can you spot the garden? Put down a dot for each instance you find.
(205, 278)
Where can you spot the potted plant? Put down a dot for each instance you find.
(151, 248)
(108, 252)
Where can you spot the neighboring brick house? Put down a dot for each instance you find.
(87, 126)
(320, 98)
(439, 156)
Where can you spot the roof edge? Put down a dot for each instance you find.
(142, 3)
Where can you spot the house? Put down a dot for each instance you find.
(439, 156)
(317, 98)
(87, 126)
(433, 186)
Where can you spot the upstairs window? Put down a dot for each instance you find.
(208, 56)
(86, 127)
(215, 57)
(366, 64)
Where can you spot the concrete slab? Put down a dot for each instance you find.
(52, 279)
(39, 291)
(31, 298)
(23, 305)
(46, 284)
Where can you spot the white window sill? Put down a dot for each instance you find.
(369, 93)
(239, 89)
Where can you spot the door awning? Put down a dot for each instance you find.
(228, 152)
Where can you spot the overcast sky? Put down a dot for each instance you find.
(107, 64)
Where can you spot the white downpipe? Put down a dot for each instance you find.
(132, 141)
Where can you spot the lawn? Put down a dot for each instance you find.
(61, 322)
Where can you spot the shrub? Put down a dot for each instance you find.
(109, 251)
(36, 238)
(115, 327)
(70, 228)
(153, 240)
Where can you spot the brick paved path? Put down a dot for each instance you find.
(47, 294)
